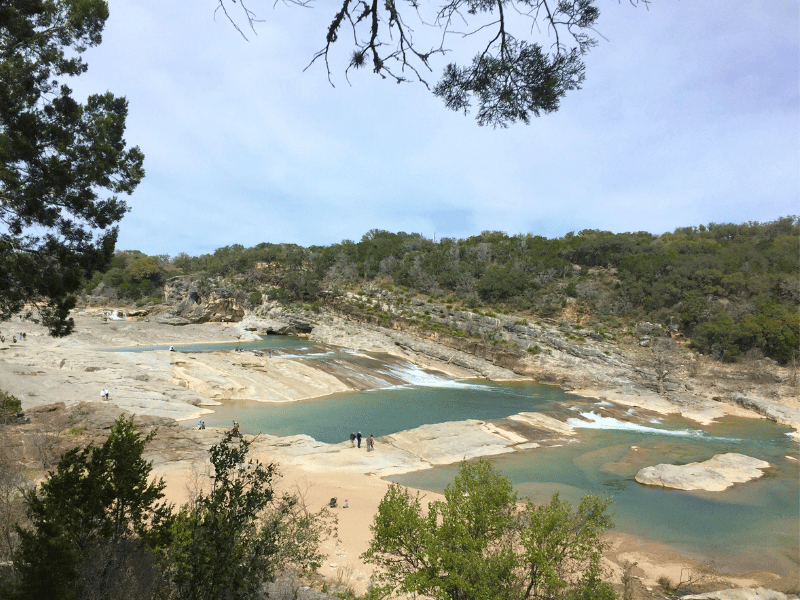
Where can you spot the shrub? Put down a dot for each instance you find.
(255, 298)
(9, 405)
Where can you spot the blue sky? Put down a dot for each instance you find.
(690, 114)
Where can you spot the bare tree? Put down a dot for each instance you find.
(663, 361)
(13, 485)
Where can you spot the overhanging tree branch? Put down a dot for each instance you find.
(511, 80)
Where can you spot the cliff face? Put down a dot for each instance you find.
(193, 301)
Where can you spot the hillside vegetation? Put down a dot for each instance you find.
(731, 289)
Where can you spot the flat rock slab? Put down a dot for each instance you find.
(540, 420)
(753, 594)
(714, 475)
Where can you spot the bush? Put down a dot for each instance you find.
(255, 298)
(9, 405)
(479, 543)
(96, 522)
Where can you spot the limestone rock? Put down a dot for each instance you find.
(194, 303)
(714, 475)
(734, 594)
(543, 421)
(278, 321)
(775, 411)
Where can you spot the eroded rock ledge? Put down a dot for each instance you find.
(714, 475)
(737, 594)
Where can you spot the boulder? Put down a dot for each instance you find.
(714, 475)
(193, 303)
(277, 321)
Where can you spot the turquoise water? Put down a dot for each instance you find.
(750, 526)
(755, 525)
(386, 411)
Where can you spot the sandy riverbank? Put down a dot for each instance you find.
(364, 493)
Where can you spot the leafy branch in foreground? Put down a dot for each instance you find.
(98, 523)
(58, 159)
(509, 79)
(227, 542)
(479, 544)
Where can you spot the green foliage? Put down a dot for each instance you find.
(229, 541)
(99, 528)
(479, 544)
(498, 284)
(91, 518)
(774, 329)
(63, 163)
(9, 405)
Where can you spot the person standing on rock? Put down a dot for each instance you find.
(352, 439)
(370, 443)
(358, 437)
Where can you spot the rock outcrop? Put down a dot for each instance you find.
(735, 594)
(775, 411)
(714, 475)
(275, 319)
(193, 302)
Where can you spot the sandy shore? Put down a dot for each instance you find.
(364, 492)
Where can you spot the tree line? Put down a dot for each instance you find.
(730, 288)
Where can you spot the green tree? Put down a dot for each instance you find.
(62, 163)
(478, 544)
(228, 542)
(9, 406)
(98, 523)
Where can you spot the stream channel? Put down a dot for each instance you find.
(751, 526)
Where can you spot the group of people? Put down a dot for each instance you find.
(357, 437)
(22, 336)
(104, 394)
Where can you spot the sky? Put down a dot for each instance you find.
(689, 115)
